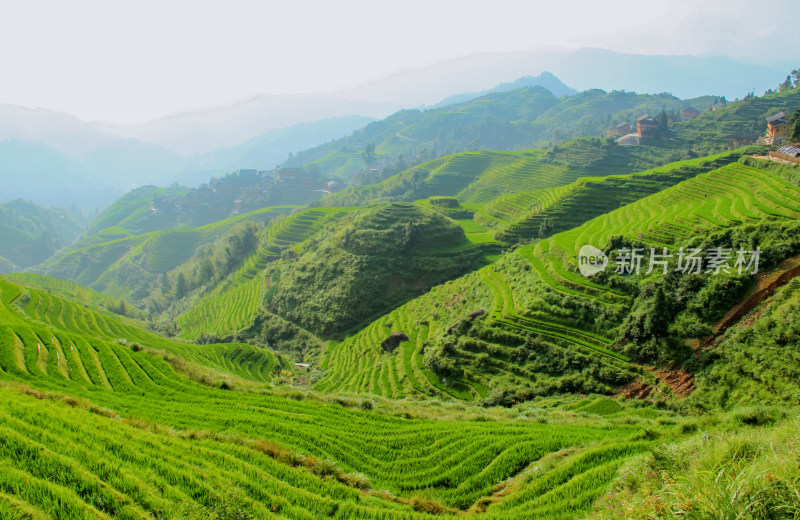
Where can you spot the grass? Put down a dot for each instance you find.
(566, 207)
(728, 474)
(100, 427)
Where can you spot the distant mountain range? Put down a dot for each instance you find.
(545, 79)
(55, 158)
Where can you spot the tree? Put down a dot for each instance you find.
(786, 85)
(166, 287)
(794, 134)
(206, 270)
(544, 229)
(368, 155)
(796, 76)
(663, 122)
(180, 287)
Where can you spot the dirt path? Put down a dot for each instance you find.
(680, 382)
(774, 159)
(765, 287)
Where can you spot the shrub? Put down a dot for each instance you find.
(757, 415)
(426, 505)
(356, 480)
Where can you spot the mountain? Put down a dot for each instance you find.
(268, 150)
(36, 172)
(582, 69)
(201, 131)
(64, 133)
(97, 177)
(545, 79)
(30, 234)
(525, 118)
(61, 152)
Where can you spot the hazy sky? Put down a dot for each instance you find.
(127, 61)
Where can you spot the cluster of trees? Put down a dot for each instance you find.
(677, 306)
(209, 265)
(794, 121)
(372, 261)
(539, 367)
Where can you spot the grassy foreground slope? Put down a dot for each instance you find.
(97, 428)
(532, 323)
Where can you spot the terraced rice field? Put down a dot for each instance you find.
(107, 431)
(61, 318)
(232, 305)
(566, 207)
(517, 173)
(360, 365)
(300, 226)
(63, 288)
(722, 198)
(515, 292)
(518, 205)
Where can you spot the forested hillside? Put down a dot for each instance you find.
(30, 234)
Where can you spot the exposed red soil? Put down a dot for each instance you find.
(680, 383)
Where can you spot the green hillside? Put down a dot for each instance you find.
(542, 328)
(131, 215)
(149, 208)
(29, 234)
(539, 213)
(223, 309)
(329, 270)
(515, 120)
(480, 177)
(744, 119)
(125, 267)
(372, 260)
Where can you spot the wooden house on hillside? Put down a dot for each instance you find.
(777, 128)
(621, 129)
(689, 113)
(737, 139)
(647, 126)
(787, 153)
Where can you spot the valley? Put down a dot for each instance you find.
(394, 324)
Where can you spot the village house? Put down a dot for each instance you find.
(621, 129)
(787, 153)
(777, 128)
(647, 126)
(689, 113)
(738, 139)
